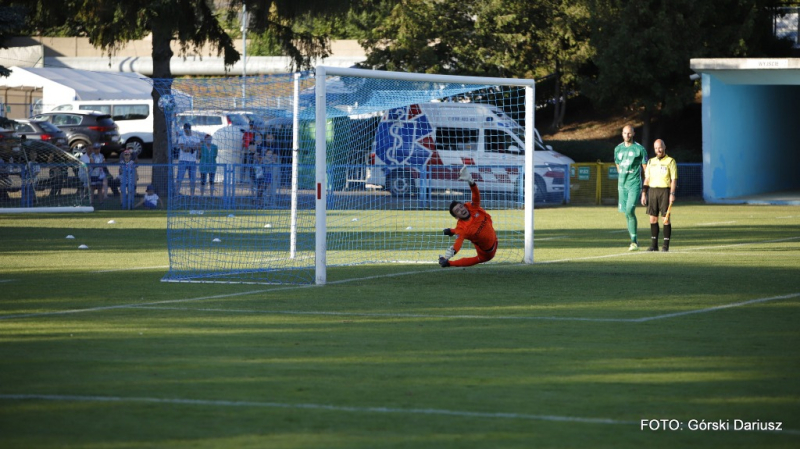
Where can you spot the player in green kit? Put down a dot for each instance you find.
(631, 160)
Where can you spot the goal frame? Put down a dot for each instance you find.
(320, 92)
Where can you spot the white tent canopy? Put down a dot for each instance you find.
(62, 85)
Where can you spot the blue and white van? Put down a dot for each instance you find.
(427, 144)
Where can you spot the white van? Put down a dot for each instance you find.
(432, 141)
(133, 117)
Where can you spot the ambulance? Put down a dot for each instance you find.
(423, 146)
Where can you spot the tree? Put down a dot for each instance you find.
(429, 36)
(643, 49)
(193, 23)
(11, 19)
(508, 38)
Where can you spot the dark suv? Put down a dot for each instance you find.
(85, 129)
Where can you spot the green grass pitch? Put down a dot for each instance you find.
(573, 351)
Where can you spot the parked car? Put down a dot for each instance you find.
(42, 130)
(85, 129)
(209, 122)
(7, 128)
(133, 117)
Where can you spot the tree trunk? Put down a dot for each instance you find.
(557, 116)
(563, 111)
(647, 115)
(162, 53)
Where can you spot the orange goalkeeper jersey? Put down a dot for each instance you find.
(478, 228)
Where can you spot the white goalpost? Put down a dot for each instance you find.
(322, 76)
(367, 165)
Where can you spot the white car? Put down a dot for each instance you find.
(209, 122)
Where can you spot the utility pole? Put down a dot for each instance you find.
(244, 55)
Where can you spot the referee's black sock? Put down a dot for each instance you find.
(654, 235)
(667, 235)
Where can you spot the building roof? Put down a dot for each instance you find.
(763, 71)
(87, 85)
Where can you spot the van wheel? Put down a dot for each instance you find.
(79, 146)
(401, 183)
(539, 190)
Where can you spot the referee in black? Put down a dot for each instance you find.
(658, 192)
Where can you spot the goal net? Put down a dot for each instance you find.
(341, 168)
(38, 177)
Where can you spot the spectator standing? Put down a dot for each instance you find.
(272, 165)
(249, 150)
(262, 175)
(189, 146)
(5, 180)
(58, 175)
(127, 179)
(30, 171)
(208, 164)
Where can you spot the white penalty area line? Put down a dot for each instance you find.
(715, 308)
(673, 250)
(475, 317)
(381, 276)
(385, 315)
(228, 295)
(128, 306)
(131, 269)
(322, 407)
(716, 223)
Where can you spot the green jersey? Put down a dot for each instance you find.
(630, 160)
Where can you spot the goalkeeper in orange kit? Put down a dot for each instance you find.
(474, 224)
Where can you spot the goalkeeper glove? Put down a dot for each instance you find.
(464, 175)
(448, 232)
(449, 253)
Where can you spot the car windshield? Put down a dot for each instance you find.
(238, 120)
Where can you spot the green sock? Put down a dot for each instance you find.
(632, 228)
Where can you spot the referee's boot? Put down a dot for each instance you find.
(665, 248)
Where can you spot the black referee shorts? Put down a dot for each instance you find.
(657, 201)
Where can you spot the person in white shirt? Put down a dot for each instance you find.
(189, 146)
(150, 199)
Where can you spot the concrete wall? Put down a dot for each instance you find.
(78, 47)
(751, 139)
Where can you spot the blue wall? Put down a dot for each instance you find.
(751, 139)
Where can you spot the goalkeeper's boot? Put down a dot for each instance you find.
(444, 263)
(633, 247)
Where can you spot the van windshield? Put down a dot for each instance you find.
(519, 131)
